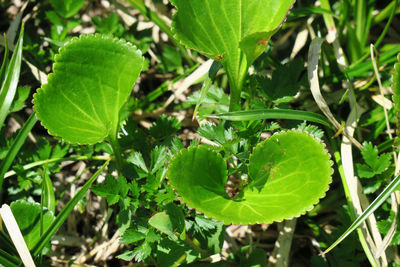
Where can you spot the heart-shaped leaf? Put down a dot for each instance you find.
(289, 173)
(92, 78)
(234, 32)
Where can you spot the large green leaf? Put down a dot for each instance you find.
(289, 173)
(93, 78)
(235, 32)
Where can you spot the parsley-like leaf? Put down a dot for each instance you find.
(375, 164)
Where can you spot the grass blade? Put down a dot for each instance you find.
(9, 85)
(262, 114)
(62, 216)
(15, 147)
(368, 211)
(8, 260)
(5, 60)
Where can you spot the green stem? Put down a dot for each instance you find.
(236, 80)
(117, 152)
(194, 244)
(47, 161)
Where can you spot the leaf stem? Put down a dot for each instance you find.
(236, 81)
(117, 152)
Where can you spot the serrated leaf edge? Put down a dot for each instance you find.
(226, 221)
(50, 76)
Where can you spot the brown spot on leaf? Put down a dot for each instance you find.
(263, 41)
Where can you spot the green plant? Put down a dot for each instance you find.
(234, 33)
(166, 187)
(280, 171)
(99, 72)
(236, 43)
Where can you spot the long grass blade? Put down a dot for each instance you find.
(9, 85)
(48, 161)
(16, 146)
(5, 60)
(368, 211)
(62, 216)
(262, 114)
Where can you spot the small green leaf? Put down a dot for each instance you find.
(174, 253)
(20, 98)
(131, 236)
(216, 99)
(49, 199)
(278, 88)
(141, 252)
(27, 215)
(171, 221)
(209, 233)
(164, 126)
(311, 129)
(158, 158)
(137, 159)
(213, 132)
(289, 173)
(126, 255)
(377, 164)
(364, 171)
(92, 78)
(67, 8)
(110, 189)
(212, 73)
(107, 25)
